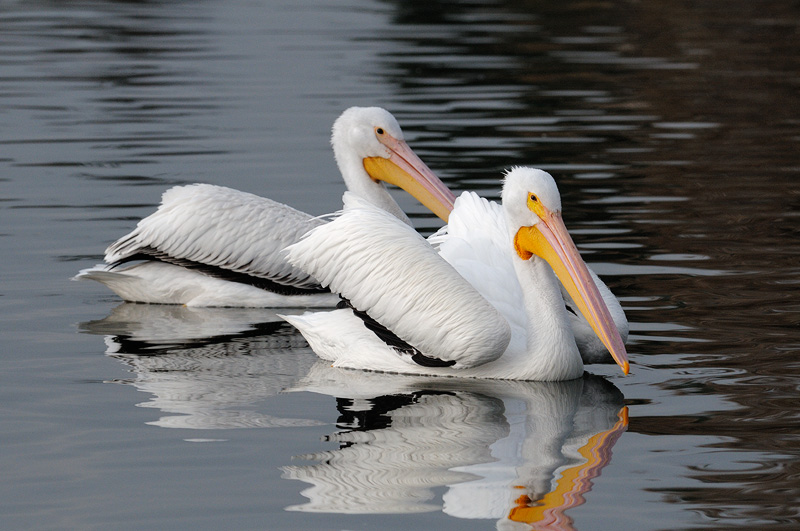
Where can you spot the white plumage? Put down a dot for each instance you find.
(214, 246)
(405, 286)
(424, 300)
(476, 241)
(260, 228)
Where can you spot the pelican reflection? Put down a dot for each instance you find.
(518, 453)
(206, 367)
(514, 452)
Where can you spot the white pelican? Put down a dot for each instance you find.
(213, 246)
(474, 242)
(423, 315)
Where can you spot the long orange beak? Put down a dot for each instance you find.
(405, 169)
(550, 240)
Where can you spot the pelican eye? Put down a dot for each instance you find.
(534, 204)
(379, 131)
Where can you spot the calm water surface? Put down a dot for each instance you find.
(673, 130)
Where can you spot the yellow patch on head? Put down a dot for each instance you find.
(536, 206)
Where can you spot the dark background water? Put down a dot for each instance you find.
(672, 128)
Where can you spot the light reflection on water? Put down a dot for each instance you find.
(671, 129)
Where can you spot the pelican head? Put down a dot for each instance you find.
(533, 209)
(369, 148)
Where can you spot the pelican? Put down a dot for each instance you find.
(410, 311)
(473, 241)
(214, 246)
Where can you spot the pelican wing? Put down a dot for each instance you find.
(384, 268)
(226, 232)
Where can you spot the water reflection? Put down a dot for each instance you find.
(205, 367)
(508, 451)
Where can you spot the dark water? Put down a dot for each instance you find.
(673, 130)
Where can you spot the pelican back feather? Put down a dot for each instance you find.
(218, 227)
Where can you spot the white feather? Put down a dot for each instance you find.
(222, 227)
(389, 271)
(161, 283)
